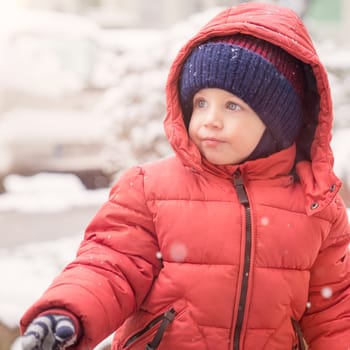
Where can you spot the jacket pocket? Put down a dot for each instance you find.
(157, 327)
(170, 327)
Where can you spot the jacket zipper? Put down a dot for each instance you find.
(243, 198)
(299, 334)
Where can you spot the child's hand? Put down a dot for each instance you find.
(49, 332)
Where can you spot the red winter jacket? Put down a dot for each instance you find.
(187, 255)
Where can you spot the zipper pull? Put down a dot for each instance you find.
(240, 189)
(168, 317)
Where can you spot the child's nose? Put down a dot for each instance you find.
(213, 119)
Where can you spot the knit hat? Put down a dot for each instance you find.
(263, 75)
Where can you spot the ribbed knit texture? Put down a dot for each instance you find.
(267, 78)
(289, 66)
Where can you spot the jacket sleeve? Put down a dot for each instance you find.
(326, 323)
(115, 265)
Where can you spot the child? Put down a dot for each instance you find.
(240, 240)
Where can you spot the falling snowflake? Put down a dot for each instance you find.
(178, 252)
(265, 221)
(326, 292)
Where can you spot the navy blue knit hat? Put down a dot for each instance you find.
(263, 75)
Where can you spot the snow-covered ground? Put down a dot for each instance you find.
(44, 193)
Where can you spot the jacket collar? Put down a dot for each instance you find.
(277, 165)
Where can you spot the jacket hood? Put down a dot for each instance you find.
(282, 27)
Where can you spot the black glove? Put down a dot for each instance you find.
(49, 332)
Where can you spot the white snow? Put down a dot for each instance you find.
(44, 193)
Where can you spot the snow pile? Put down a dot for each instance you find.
(45, 46)
(47, 193)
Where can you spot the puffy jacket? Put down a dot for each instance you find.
(188, 255)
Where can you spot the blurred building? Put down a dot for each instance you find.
(116, 13)
(163, 13)
(329, 19)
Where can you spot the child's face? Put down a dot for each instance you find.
(224, 128)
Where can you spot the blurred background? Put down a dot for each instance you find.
(82, 99)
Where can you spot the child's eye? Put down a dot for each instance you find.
(200, 103)
(232, 106)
